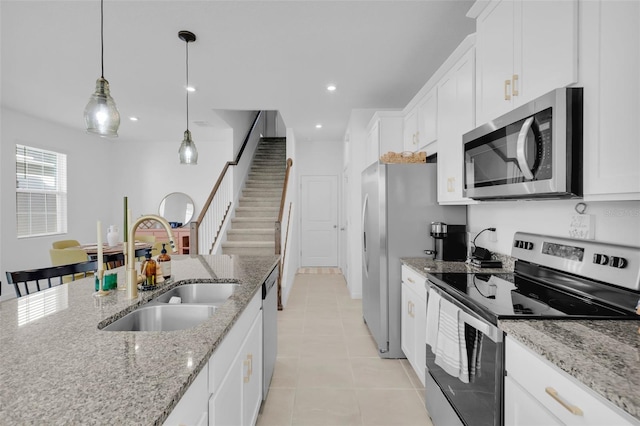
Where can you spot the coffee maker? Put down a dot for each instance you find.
(450, 241)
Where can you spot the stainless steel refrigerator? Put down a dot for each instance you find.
(399, 202)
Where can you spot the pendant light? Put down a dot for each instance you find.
(101, 115)
(188, 151)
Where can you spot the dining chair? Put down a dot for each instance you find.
(61, 244)
(35, 280)
(67, 256)
(114, 260)
(145, 238)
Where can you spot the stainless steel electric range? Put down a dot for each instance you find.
(554, 278)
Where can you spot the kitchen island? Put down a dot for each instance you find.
(59, 367)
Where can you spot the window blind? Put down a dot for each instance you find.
(41, 192)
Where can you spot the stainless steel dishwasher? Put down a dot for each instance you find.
(269, 329)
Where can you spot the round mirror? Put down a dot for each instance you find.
(177, 209)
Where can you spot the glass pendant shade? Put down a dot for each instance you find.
(188, 151)
(101, 115)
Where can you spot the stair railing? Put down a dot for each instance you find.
(205, 231)
(278, 229)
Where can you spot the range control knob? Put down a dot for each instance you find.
(528, 245)
(601, 259)
(617, 262)
(517, 244)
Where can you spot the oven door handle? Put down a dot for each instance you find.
(521, 145)
(485, 328)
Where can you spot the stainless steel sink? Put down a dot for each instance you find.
(162, 318)
(205, 293)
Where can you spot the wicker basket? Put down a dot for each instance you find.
(404, 157)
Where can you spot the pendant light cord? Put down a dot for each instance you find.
(102, 38)
(187, 88)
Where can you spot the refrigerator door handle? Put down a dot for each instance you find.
(365, 253)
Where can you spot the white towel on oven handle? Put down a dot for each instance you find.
(433, 314)
(451, 349)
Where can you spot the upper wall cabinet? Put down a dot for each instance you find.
(420, 124)
(455, 117)
(524, 49)
(610, 75)
(384, 134)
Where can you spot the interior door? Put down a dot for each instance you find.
(319, 221)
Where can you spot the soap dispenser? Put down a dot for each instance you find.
(148, 269)
(164, 261)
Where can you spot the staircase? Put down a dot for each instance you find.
(252, 229)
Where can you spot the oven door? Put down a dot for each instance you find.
(478, 402)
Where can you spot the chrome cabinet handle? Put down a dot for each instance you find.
(514, 89)
(411, 280)
(576, 411)
(507, 86)
(521, 155)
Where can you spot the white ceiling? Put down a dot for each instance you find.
(249, 55)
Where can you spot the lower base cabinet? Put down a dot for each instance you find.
(539, 393)
(228, 390)
(235, 371)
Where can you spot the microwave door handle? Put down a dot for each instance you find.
(520, 149)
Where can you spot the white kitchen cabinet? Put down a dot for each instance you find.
(535, 382)
(192, 409)
(420, 125)
(455, 117)
(413, 320)
(524, 50)
(610, 74)
(384, 134)
(235, 371)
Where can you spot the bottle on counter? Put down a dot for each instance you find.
(164, 262)
(148, 269)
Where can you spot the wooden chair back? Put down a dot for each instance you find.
(35, 280)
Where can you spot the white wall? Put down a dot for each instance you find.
(100, 173)
(90, 188)
(615, 222)
(354, 161)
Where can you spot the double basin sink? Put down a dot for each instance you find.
(198, 302)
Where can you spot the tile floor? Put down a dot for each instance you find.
(328, 371)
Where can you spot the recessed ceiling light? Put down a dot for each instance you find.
(133, 118)
(331, 87)
(191, 89)
(318, 126)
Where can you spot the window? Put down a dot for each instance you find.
(41, 192)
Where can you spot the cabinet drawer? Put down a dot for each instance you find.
(557, 391)
(414, 281)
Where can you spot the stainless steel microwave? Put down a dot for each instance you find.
(534, 151)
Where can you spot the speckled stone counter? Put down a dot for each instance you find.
(604, 355)
(423, 266)
(58, 367)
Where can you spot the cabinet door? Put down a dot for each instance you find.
(610, 74)
(521, 409)
(410, 131)
(192, 408)
(251, 360)
(455, 117)
(420, 337)
(407, 327)
(373, 144)
(428, 120)
(225, 405)
(495, 29)
(547, 56)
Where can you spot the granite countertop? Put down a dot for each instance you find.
(604, 355)
(58, 367)
(424, 265)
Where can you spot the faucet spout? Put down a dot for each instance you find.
(132, 275)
